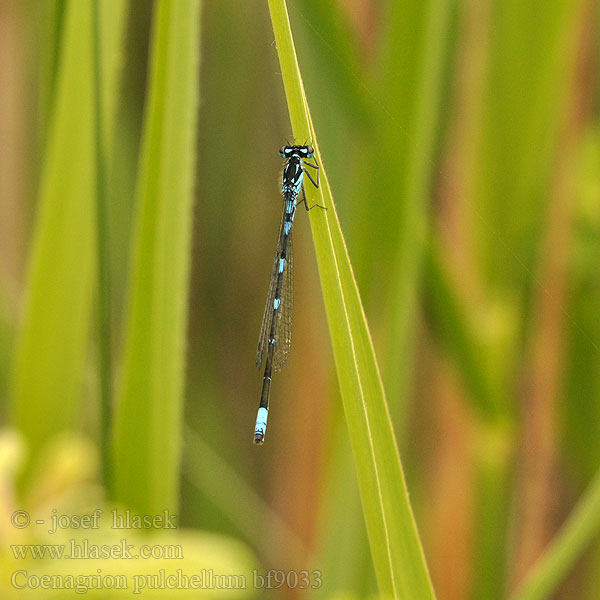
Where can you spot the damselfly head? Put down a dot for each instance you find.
(301, 151)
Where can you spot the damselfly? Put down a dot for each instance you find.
(276, 329)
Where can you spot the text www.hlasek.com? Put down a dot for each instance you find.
(83, 549)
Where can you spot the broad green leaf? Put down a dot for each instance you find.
(46, 385)
(148, 418)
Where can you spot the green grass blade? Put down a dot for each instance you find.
(51, 345)
(395, 545)
(579, 530)
(149, 408)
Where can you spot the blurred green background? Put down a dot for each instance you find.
(462, 144)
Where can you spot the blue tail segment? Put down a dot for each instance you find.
(276, 329)
(261, 425)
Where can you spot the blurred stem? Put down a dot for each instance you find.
(453, 328)
(51, 16)
(450, 321)
(102, 240)
(543, 380)
(580, 529)
(414, 130)
(493, 459)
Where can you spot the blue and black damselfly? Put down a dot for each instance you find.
(276, 329)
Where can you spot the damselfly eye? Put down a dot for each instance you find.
(310, 151)
(282, 151)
